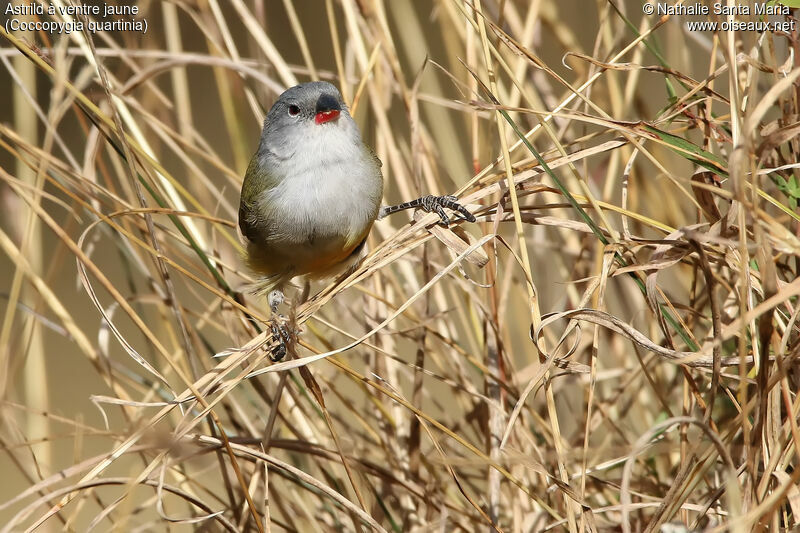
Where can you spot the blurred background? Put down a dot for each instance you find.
(121, 158)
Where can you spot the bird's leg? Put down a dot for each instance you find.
(431, 204)
(275, 298)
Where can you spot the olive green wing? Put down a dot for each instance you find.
(256, 181)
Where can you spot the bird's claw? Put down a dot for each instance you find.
(436, 204)
(431, 204)
(283, 336)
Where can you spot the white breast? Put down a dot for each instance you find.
(330, 187)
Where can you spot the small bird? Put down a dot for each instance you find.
(312, 192)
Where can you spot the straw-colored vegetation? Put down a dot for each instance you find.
(613, 344)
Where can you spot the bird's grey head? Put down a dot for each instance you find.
(304, 114)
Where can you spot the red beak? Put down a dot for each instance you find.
(326, 116)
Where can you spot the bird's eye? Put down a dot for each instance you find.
(293, 110)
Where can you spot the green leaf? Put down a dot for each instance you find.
(790, 187)
(793, 187)
(690, 151)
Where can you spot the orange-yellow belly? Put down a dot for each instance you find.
(317, 258)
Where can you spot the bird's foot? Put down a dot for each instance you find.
(432, 204)
(284, 334)
(437, 204)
